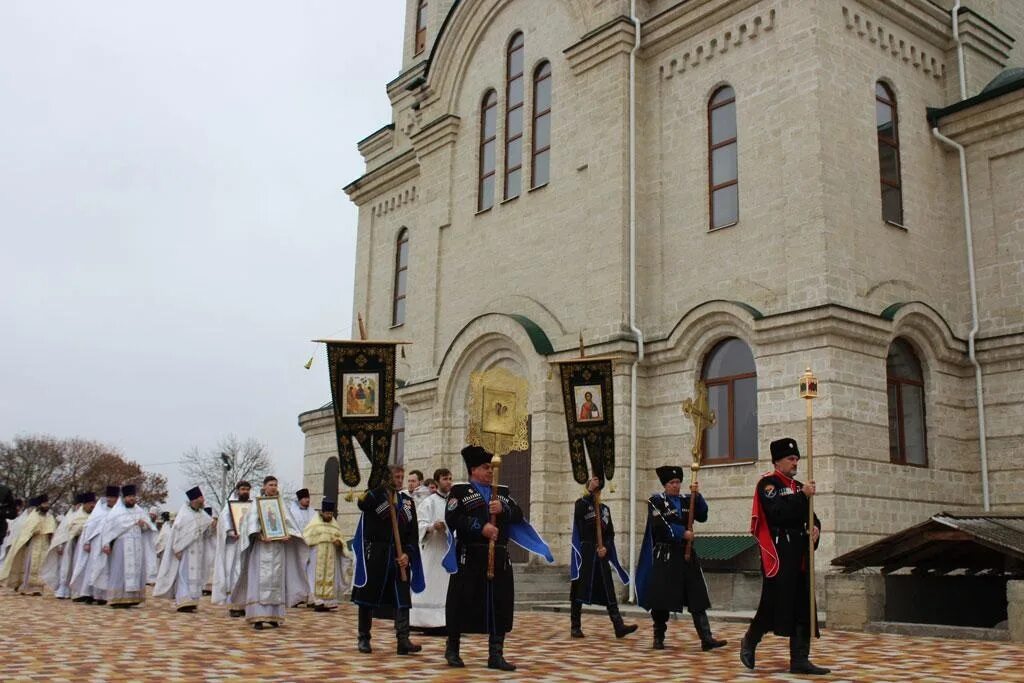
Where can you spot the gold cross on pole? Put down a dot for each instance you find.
(702, 416)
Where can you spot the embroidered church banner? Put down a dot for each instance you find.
(363, 392)
(588, 398)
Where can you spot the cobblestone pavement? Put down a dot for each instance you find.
(44, 639)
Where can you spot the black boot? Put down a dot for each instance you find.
(575, 619)
(747, 648)
(365, 624)
(703, 626)
(405, 646)
(799, 653)
(451, 650)
(496, 654)
(622, 629)
(235, 613)
(660, 627)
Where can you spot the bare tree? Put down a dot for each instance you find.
(217, 471)
(63, 467)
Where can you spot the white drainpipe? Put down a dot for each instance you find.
(637, 332)
(971, 278)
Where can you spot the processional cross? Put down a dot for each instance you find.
(703, 417)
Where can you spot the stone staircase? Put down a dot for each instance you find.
(538, 584)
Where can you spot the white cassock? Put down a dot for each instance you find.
(301, 519)
(225, 560)
(183, 578)
(87, 562)
(211, 553)
(123, 576)
(269, 574)
(161, 540)
(59, 564)
(428, 606)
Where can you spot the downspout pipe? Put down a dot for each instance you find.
(979, 389)
(633, 327)
(972, 281)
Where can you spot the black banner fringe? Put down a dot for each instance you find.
(590, 420)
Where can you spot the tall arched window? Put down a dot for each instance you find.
(887, 123)
(397, 456)
(731, 377)
(421, 26)
(488, 142)
(907, 431)
(723, 161)
(401, 277)
(540, 161)
(514, 117)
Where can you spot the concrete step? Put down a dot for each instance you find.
(938, 630)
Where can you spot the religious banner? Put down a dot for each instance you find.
(363, 391)
(498, 418)
(588, 398)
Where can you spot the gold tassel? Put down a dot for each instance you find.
(309, 363)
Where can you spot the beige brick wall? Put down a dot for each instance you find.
(810, 252)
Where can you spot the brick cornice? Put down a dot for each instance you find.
(401, 169)
(437, 134)
(611, 40)
(685, 20)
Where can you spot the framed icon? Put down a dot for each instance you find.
(238, 509)
(361, 394)
(271, 514)
(499, 411)
(589, 402)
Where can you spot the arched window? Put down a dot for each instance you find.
(540, 161)
(514, 117)
(731, 377)
(488, 141)
(421, 26)
(397, 456)
(401, 277)
(907, 432)
(723, 161)
(887, 124)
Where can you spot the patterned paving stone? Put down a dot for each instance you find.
(44, 639)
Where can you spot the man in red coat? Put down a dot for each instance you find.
(779, 521)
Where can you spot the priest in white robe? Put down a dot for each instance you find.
(211, 551)
(270, 578)
(184, 566)
(428, 606)
(302, 513)
(226, 554)
(22, 566)
(128, 541)
(89, 556)
(60, 559)
(163, 533)
(328, 557)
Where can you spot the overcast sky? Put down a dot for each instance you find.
(173, 226)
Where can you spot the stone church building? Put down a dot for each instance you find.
(731, 190)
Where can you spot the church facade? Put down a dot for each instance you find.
(727, 190)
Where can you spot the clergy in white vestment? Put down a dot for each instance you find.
(428, 606)
(23, 563)
(328, 557)
(60, 559)
(211, 552)
(88, 555)
(269, 577)
(301, 514)
(12, 531)
(226, 554)
(128, 539)
(162, 534)
(184, 566)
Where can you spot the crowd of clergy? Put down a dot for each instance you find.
(427, 554)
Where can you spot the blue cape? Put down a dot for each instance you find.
(520, 533)
(577, 557)
(646, 561)
(417, 580)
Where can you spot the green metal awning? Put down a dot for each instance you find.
(722, 547)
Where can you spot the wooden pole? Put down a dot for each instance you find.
(495, 466)
(392, 498)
